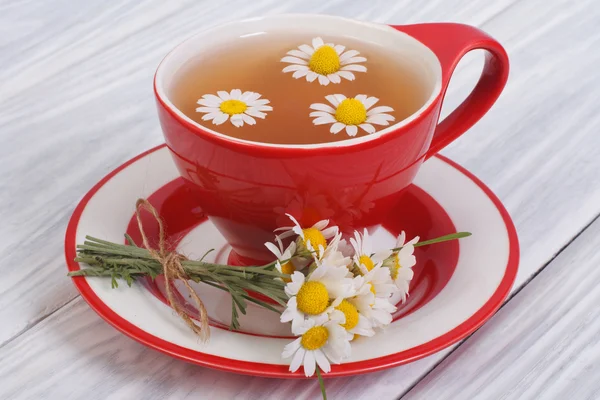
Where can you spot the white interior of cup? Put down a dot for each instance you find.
(415, 55)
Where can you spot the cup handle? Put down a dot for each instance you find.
(450, 42)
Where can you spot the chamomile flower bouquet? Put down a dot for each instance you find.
(328, 289)
(337, 290)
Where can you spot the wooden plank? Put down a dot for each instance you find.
(543, 344)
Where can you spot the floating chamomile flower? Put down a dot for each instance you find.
(400, 264)
(316, 294)
(325, 62)
(323, 341)
(364, 258)
(313, 239)
(351, 113)
(284, 257)
(235, 106)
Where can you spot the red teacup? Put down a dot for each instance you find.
(247, 187)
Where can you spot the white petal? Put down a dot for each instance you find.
(322, 361)
(207, 109)
(291, 348)
(210, 100)
(248, 119)
(236, 94)
(317, 42)
(294, 60)
(306, 49)
(319, 114)
(255, 113)
(333, 100)
(237, 120)
(337, 316)
(401, 237)
(289, 313)
(296, 67)
(210, 116)
(300, 73)
(334, 78)
(297, 360)
(322, 107)
(249, 97)
(351, 130)
(292, 288)
(349, 54)
(338, 126)
(263, 108)
(370, 102)
(318, 273)
(298, 231)
(219, 119)
(299, 54)
(379, 110)
(309, 363)
(354, 67)
(353, 60)
(331, 354)
(323, 80)
(361, 97)
(339, 49)
(324, 120)
(380, 119)
(320, 225)
(340, 97)
(273, 249)
(346, 75)
(330, 232)
(224, 95)
(368, 128)
(363, 327)
(311, 76)
(257, 103)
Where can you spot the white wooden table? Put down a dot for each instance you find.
(76, 101)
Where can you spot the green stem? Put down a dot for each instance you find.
(445, 238)
(321, 383)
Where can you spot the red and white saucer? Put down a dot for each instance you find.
(457, 285)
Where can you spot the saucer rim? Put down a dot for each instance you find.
(278, 371)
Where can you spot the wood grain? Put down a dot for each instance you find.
(76, 100)
(543, 344)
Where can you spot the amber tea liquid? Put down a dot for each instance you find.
(253, 64)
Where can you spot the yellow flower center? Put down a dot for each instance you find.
(350, 312)
(351, 112)
(233, 107)
(312, 298)
(287, 268)
(395, 266)
(315, 338)
(324, 61)
(354, 337)
(367, 262)
(315, 237)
